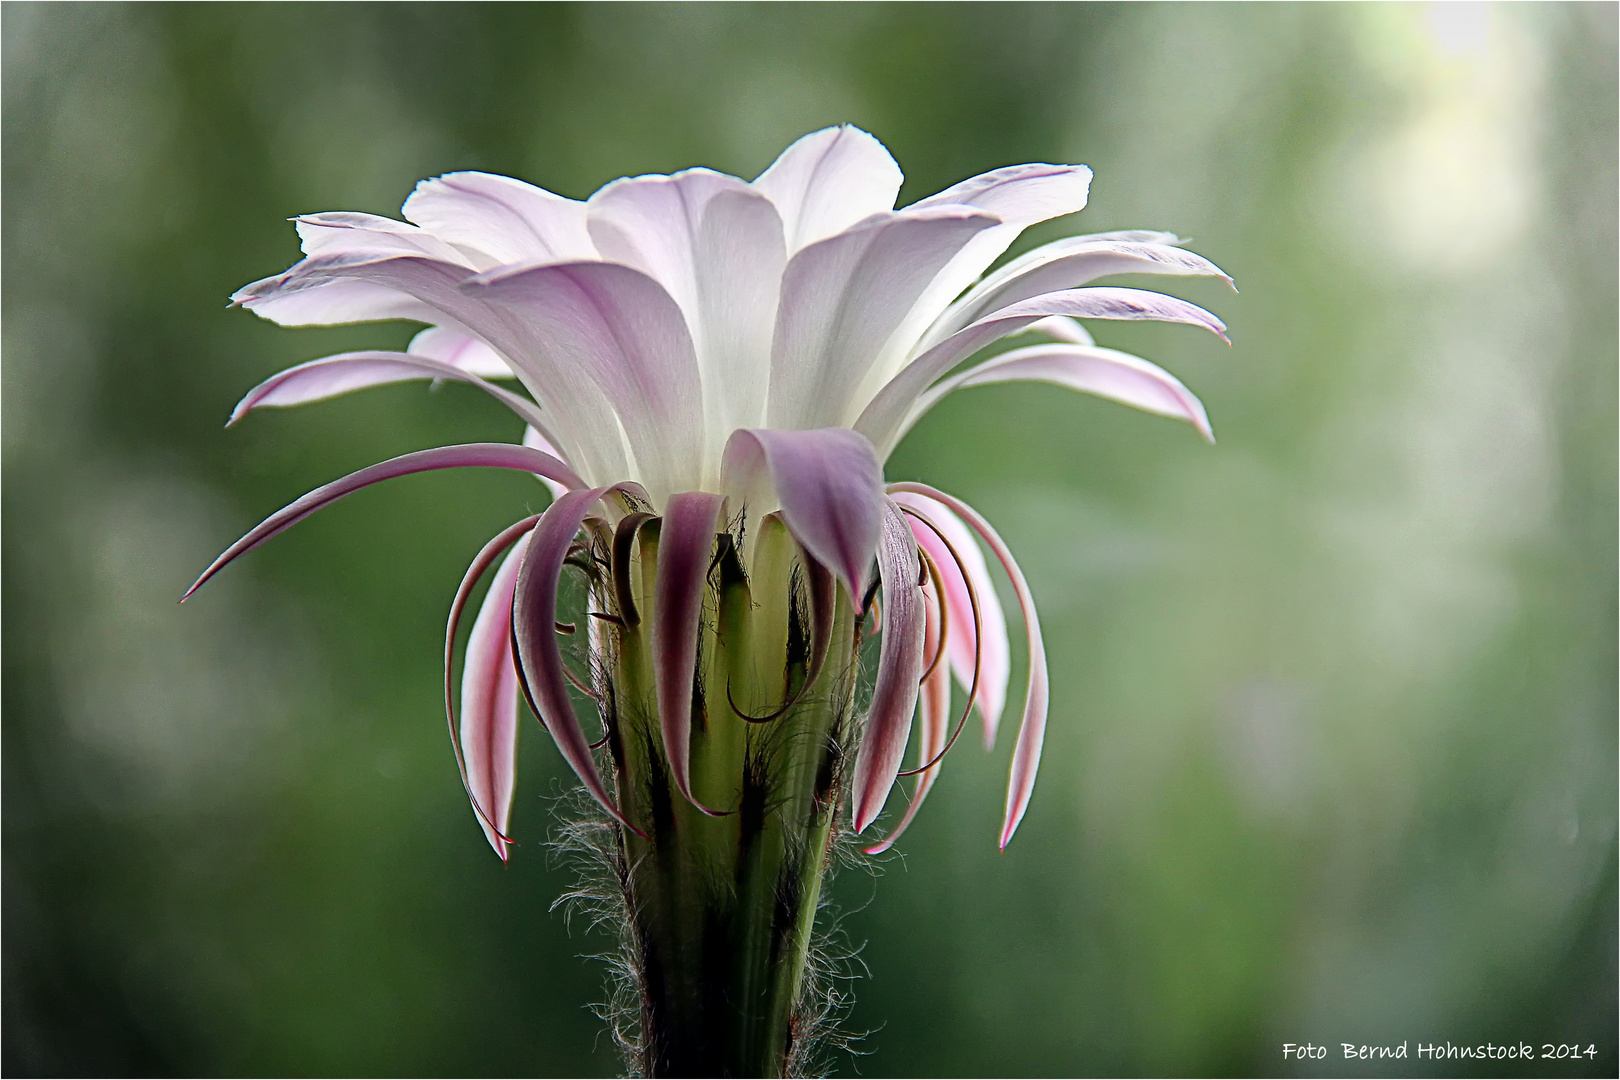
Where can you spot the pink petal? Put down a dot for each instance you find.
(829, 485)
(487, 706)
(994, 655)
(534, 616)
(510, 221)
(829, 180)
(933, 714)
(900, 663)
(1118, 376)
(685, 542)
(883, 420)
(483, 455)
(842, 300)
(1032, 730)
(347, 372)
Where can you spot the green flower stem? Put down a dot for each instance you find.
(723, 907)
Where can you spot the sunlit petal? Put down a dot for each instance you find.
(829, 180)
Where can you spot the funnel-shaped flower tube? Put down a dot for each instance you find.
(711, 373)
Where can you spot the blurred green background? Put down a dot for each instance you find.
(1332, 753)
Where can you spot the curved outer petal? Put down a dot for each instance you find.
(489, 706)
(884, 418)
(993, 654)
(716, 246)
(581, 416)
(829, 180)
(344, 231)
(534, 615)
(1068, 264)
(485, 455)
(1032, 730)
(334, 301)
(933, 718)
(1020, 195)
(467, 353)
(333, 375)
(842, 299)
(900, 664)
(510, 221)
(685, 542)
(618, 327)
(1118, 376)
(830, 488)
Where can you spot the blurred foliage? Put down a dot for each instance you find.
(1332, 755)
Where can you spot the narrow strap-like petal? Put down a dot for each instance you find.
(1107, 373)
(1032, 730)
(685, 543)
(828, 484)
(842, 300)
(1068, 264)
(345, 231)
(884, 418)
(827, 181)
(536, 438)
(330, 376)
(482, 455)
(489, 707)
(933, 720)
(961, 648)
(900, 664)
(534, 617)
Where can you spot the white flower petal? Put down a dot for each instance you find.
(467, 353)
(842, 299)
(341, 232)
(616, 328)
(716, 246)
(828, 181)
(1068, 264)
(884, 419)
(1107, 373)
(512, 222)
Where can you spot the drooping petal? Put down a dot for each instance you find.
(716, 246)
(993, 654)
(467, 353)
(483, 455)
(617, 328)
(534, 615)
(330, 376)
(884, 418)
(1032, 729)
(489, 707)
(685, 542)
(331, 303)
(509, 220)
(933, 719)
(828, 484)
(843, 298)
(1107, 373)
(829, 180)
(900, 664)
(1063, 328)
(1068, 264)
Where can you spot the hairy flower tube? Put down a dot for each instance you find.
(715, 371)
